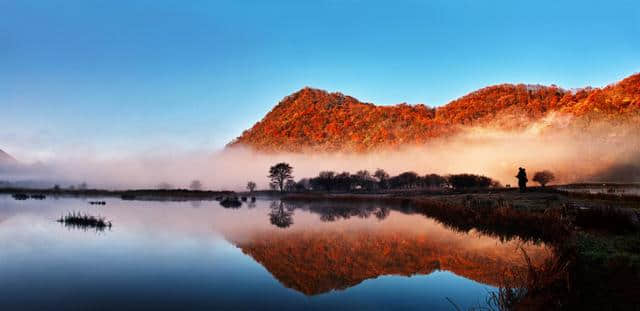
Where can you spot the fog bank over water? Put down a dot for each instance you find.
(603, 153)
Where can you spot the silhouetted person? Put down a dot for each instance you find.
(522, 179)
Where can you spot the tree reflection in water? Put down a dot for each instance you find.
(280, 216)
(333, 213)
(382, 213)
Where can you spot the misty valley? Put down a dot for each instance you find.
(319, 155)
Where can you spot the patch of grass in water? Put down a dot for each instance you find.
(231, 202)
(84, 221)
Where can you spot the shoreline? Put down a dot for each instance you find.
(628, 200)
(134, 194)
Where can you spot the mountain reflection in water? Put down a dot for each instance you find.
(343, 249)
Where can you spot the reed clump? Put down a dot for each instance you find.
(231, 202)
(81, 220)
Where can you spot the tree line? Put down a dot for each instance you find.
(281, 176)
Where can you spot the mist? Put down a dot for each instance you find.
(604, 152)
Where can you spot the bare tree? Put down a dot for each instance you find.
(251, 186)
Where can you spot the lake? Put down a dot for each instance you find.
(624, 190)
(264, 255)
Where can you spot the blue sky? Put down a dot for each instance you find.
(123, 77)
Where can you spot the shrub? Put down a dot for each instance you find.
(543, 177)
(466, 181)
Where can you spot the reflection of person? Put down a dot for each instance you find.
(522, 179)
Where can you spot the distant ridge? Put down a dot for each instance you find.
(316, 120)
(5, 158)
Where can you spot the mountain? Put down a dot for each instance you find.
(316, 120)
(5, 158)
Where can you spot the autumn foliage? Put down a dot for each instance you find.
(316, 120)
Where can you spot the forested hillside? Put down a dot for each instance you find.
(316, 120)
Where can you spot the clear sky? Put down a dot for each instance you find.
(122, 77)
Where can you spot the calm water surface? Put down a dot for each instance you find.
(267, 255)
(622, 191)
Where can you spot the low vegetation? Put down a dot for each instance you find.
(230, 202)
(81, 220)
(19, 196)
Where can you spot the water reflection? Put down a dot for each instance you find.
(330, 212)
(348, 249)
(280, 216)
(85, 228)
(333, 256)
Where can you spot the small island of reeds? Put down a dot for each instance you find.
(84, 221)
